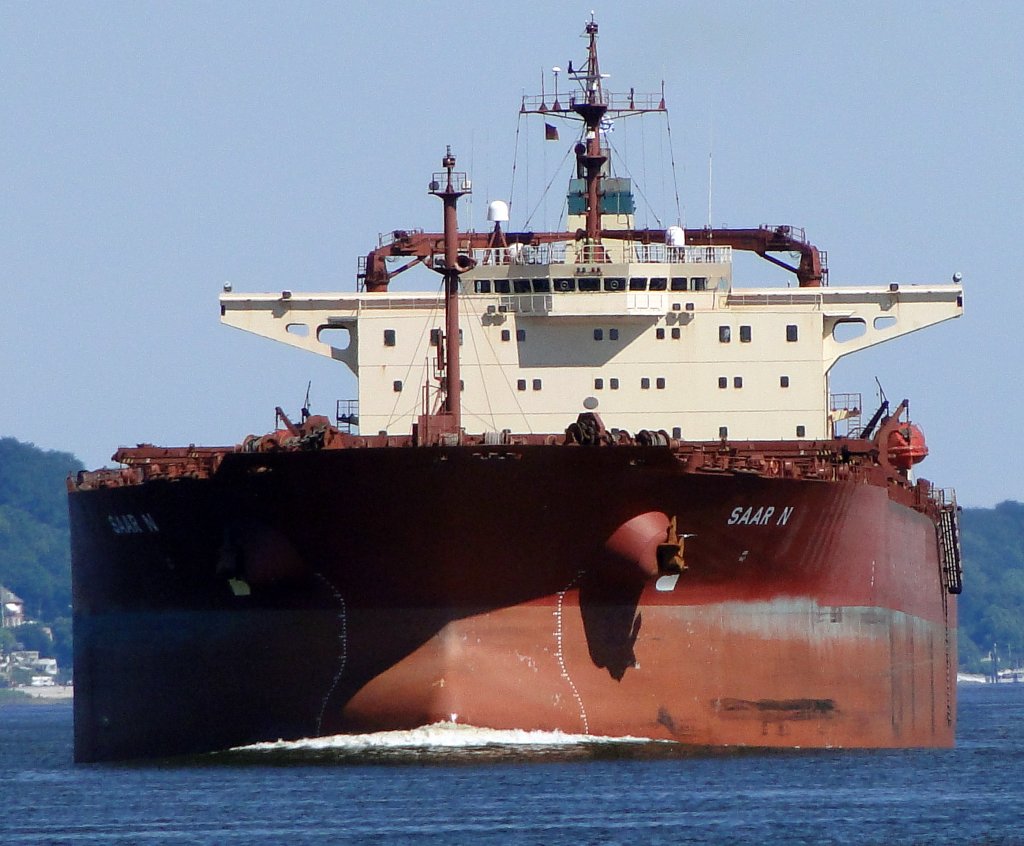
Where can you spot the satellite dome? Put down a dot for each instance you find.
(497, 211)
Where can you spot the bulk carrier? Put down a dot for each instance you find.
(588, 486)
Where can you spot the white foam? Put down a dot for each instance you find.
(443, 735)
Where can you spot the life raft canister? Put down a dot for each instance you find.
(906, 446)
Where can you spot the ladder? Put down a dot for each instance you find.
(948, 529)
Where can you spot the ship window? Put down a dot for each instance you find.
(460, 337)
(520, 334)
(783, 381)
(723, 382)
(613, 334)
(590, 283)
(599, 334)
(615, 283)
(506, 335)
(536, 384)
(565, 284)
(678, 283)
(541, 286)
(689, 306)
(723, 432)
(598, 384)
(501, 286)
(675, 333)
(737, 381)
(658, 283)
(482, 286)
(724, 334)
(645, 383)
(700, 283)
(659, 383)
(521, 385)
(521, 286)
(638, 283)
(435, 337)
(744, 334)
(389, 337)
(613, 383)
(397, 386)
(800, 431)
(677, 432)
(791, 332)
(659, 333)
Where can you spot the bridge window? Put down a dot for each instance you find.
(521, 286)
(679, 283)
(744, 334)
(482, 286)
(615, 283)
(700, 283)
(389, 337)
(638, 283)
(658, 283)
(791, 333)
(501, 286)
(783, 381)
(541, 286)
(563, 284)
(724, 334)
(613, 383)
(589, 283)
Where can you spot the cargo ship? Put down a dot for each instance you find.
(588, 486)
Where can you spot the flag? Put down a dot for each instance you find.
(550, 132)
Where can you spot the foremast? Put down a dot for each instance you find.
(446, 423)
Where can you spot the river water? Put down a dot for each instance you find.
(456, 785)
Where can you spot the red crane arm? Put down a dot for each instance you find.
(419, 246)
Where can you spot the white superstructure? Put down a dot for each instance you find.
(660, 342)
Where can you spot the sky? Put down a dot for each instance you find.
(150, 152)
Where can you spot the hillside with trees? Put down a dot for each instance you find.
(35, 561)
(992, 604)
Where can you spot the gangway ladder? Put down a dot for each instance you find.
(949, 542)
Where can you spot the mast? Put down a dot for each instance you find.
(455, 185)
(590, 157)
(593, 105)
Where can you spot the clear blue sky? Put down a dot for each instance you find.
(151, 151)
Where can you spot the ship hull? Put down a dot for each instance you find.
(301, 594)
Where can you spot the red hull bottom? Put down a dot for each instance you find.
(767, 674)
